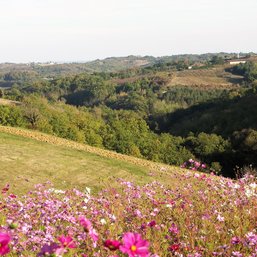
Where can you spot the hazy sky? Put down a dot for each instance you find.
(80, 30)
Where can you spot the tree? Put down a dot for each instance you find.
(1, 93)
(32, 115)
(216, 60)
(207, 146)
(248, 70)
(244, 143)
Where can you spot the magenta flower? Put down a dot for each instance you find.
(134, 245)
(6, 189)
(235, 240)
(85, 223)
(174, 247)
(152, 223)
(4, 241)
(174, 229)
(112, 244)
(203, 166)
(67, 242)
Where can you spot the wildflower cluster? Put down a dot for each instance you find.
(202, 216)
(194, 165)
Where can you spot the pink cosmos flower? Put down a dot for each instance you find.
(12, 196)
(5, 189)
(85, 223)
(134, 245)
(235, 240)
(93, 234)
(174, 229)
(4, 241)
(67, 242)
(203, 166)
(112, 244)
(237, 254)
(251, 238)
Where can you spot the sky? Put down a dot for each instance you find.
(83, 30)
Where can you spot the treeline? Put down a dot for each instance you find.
(146, 95)
(248, 70)
(121, 131)
(20, 76)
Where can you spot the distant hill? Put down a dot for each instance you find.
(113, 64)
(110, 64)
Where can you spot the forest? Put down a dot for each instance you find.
(137, 112)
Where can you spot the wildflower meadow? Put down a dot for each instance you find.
(204, 215)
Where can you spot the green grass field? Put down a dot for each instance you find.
(25, 162)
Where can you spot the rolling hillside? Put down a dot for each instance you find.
(206, 78)
(29, 157)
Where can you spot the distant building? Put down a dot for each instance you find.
(236, 61)
(46, 64)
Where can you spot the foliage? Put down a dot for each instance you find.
(121, 131)
(244, 143)
(20, 76)
(248, 70)
(206, 146)
(216, 60)
(221, 117)
(11, 116)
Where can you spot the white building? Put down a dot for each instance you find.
(238, 61)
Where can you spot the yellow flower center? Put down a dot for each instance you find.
(133, 248)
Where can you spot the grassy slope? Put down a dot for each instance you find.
(26, 161)
(8, 102)
(212, 78)
(206, 78)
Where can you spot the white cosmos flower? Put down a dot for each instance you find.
(88, 190)
(253, 185)
(103, 221)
